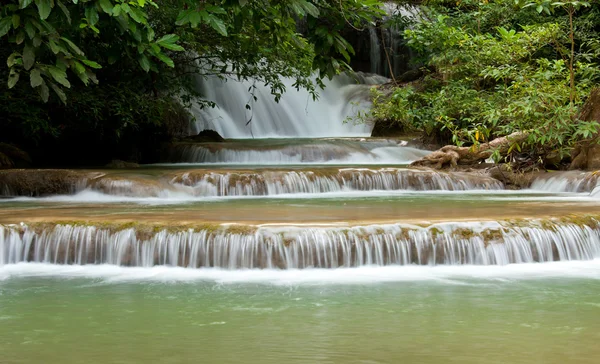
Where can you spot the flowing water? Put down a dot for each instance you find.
(296, 250)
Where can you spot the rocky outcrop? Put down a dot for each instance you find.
(41, 182)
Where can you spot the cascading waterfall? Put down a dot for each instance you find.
(295, 115)
(212, 183)
(573, 181)
(350, 179)
(317, 153)
(492, 243)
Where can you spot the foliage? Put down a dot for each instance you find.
(491, 77)
(114, 68)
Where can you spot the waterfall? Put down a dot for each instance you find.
(295, 115)
(235, 247)
(295, 152)
(213, 183)
(573, 181)
(374, 51)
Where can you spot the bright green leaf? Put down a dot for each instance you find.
(169, 38)
(91, 63)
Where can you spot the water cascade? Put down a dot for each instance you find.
(295, 152)
(247, 247)
(573, 181)
(296, 115)
(212, 183)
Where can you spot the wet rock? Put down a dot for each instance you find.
(11, 156)
(119, 164)
(41, 182)
(207, 136)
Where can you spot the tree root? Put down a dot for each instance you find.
(451, 155)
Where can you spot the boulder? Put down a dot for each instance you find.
(207, 136)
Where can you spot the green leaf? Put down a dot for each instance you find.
(12, 59)
(243, 2)
(44, 8)
(24, 3)
(5, 24)
(13, 78)
(106, 6)
(218, 25)
(172, 47)
(16, 21)
(61, 95)
(169, 38)
(79, 68)
(91, 63)
(59, 76)
(116, 11)
(28, 56)
(137, 15)
(20, 37)
(65, 11)
(72, 46)
(144, 62)
(29, 28)
(44, 92)
(165, 59)
(91, 14)
(35, 78)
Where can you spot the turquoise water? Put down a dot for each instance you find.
(542, 313)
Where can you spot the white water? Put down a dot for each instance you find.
(194, 185)
(296, 114)
(290, 247)
(363, 275)
(575, 181)
(295, 155)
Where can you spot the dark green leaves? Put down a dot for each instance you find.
(35, 78)
(44, 8)
(5, 24)
(28, 56)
